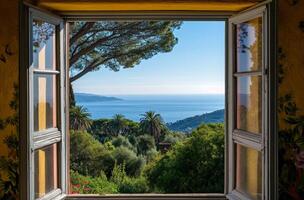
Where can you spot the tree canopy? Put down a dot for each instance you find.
(116, 44)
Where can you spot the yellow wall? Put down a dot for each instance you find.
(9, 46)
(291, 98)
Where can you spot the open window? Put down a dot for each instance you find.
(246, 108)
(46, 106)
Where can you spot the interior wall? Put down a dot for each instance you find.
(9, 122)
(291, 98)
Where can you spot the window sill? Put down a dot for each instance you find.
(148, 197)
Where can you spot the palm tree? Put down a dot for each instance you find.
(80, 118)
(153, 124)
(118, 124)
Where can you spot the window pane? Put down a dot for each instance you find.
(249, 104)
(249, 45)
(46, 170)
(249, 171)
(44, 40)
(44, 102)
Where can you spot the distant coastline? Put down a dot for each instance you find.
(190, 123)
(86, 97)
(172, 108)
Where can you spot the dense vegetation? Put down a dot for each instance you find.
(119, 155)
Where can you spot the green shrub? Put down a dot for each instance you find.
(145, 143)
(173, 137)
(118, 173)
(134, 185)
(85, 153)
(121, 141)
(195, 165)
(133, 164)
(88, 185)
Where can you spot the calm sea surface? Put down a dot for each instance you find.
(171, 107)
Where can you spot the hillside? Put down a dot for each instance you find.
(190, 123)
(84, 97)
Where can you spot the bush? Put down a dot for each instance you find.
(195, 165)
(121, 141)
(145, 143)
(133, 164)
(86, 153)
(134, 185)
(173, 137)
(88, 185)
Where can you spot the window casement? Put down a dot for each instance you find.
(47, 153)
(247, 108)
(247, 153)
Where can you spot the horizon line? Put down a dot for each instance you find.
(150, 94)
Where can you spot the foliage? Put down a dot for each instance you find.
(116, 44)
(88, 156)
(118, 173)
(187, 166)
(79, 118)
(103, 129)
(134, 185)
(122, 141)
(117, 125)
(145, 143)
(173, 137)
(133, 164)
(9, 183)
(91, 185)
(291, 142)
(291, 147)
(153, 124)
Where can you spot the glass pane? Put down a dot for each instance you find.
(44, 102)
(249, 104)
(46, 170)
(249, 45)
(44, 45)
(249, 172)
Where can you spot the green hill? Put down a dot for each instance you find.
(186, 125)
(84, 97)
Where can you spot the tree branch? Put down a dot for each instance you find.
(83, 30)
(93, 65)
(88, 49)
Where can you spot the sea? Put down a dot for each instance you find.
(171, 107)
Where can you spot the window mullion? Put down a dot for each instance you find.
(251, 73)
(46, 139)
(247, 142)
(45, 71)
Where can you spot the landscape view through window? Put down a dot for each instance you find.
(147, 107)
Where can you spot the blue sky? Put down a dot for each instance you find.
(195, 66)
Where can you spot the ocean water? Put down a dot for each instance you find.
(171, 107)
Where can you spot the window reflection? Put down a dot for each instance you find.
(249, 104)
(249, 172)
(44, 102)
(44, 56)
(249, 45)
(46, 170)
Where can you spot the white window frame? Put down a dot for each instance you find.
(240, 137)
(254, 141)
(49, 136)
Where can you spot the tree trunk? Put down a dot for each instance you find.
(71, 96)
